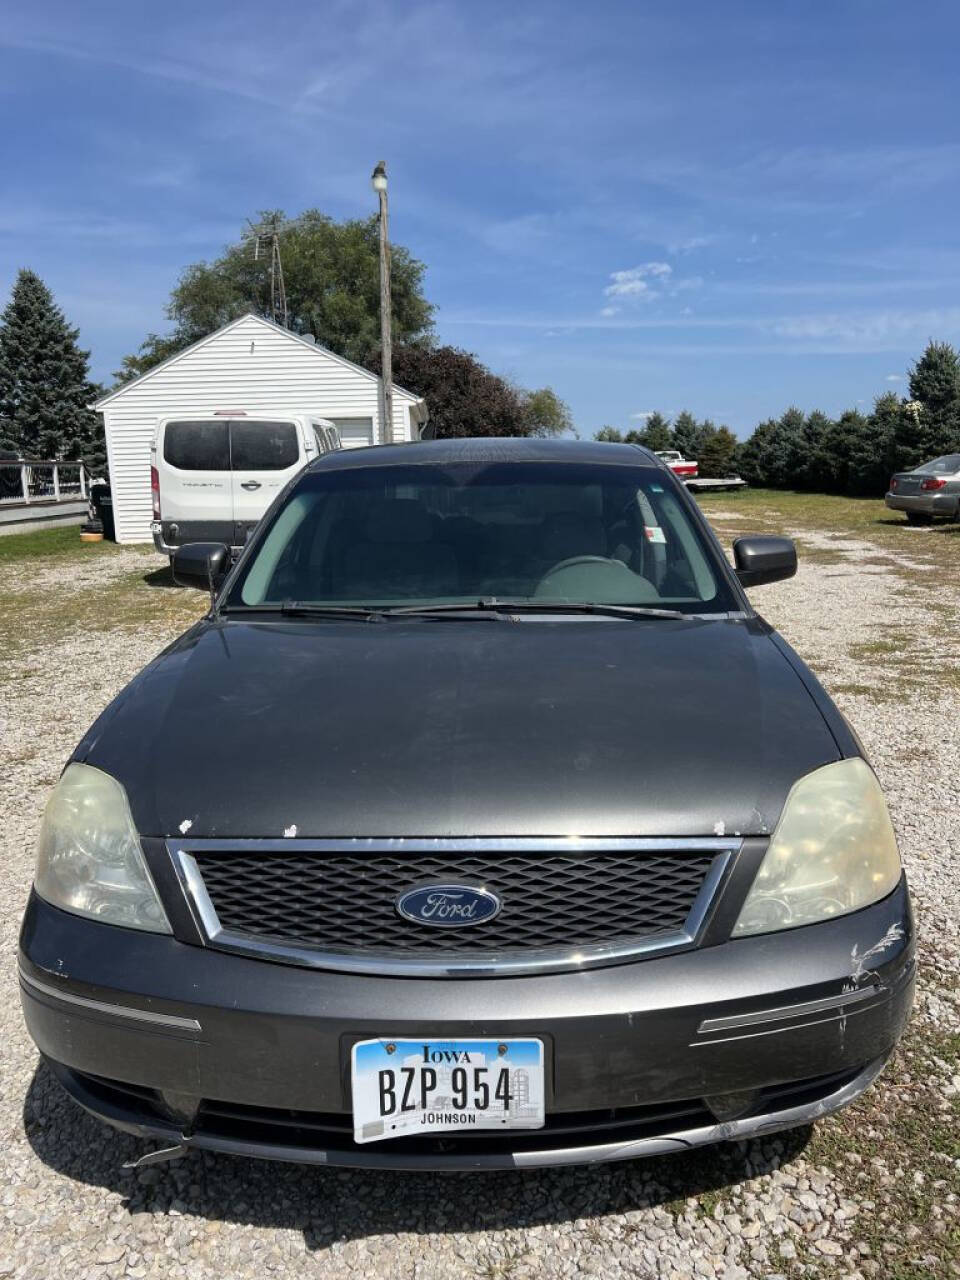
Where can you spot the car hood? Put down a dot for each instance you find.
(462, 728)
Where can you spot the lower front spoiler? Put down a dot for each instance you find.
(835, 1097)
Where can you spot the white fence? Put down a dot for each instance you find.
(33, 480)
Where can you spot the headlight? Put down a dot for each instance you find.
(833, 851)
(89, 859)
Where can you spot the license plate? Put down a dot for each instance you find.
(404, 1087)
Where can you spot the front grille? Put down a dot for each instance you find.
(344, 902)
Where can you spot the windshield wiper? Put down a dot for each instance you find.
(304, 609)
(494, 605)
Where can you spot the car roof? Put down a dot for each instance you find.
(487, 449)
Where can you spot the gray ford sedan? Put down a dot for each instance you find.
(481, 822)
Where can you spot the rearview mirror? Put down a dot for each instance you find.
(201, 564)
(760, 560)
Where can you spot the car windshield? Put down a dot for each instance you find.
(446, 533)
(946, 466)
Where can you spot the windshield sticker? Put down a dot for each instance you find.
(655, 533)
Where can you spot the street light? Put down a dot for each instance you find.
(378, 180)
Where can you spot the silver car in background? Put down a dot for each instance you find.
(932, 489)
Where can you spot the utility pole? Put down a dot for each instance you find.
(379, 182)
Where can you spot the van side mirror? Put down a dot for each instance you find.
(201, 564)
(760, 560)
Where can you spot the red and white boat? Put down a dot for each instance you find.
(683, 467)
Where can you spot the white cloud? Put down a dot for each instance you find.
(643, 414)
(609, 311)
(690, 244)
(633, 283)
(894, 377)
(870, 328)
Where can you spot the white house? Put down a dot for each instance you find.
(250, 364)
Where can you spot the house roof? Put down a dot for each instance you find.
(245, 318)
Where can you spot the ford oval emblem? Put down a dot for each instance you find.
(448, 906)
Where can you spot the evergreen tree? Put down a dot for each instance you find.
(753, 453)
(840, 446)
(935, 383)
(775, 455)
(890, 419)
(813, 474)
(718, 454)
(702, 438)
(912, 435)
(867, 473)
(656, 434)
(684, 434)
(44, 384)
(610, 435)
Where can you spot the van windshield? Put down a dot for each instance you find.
(459, 532)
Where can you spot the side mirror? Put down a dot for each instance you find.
(201, 564)
(760, 560)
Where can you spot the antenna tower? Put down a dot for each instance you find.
(265, 238)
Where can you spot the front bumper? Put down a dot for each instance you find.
(183, 1043)
(926, 504)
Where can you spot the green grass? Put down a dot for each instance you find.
(58, 542)
(36, 613)
(748, 511)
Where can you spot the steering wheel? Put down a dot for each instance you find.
(594, 578)
(574, 560)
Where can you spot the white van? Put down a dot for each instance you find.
(214, 475)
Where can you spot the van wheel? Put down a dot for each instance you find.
(918, 517)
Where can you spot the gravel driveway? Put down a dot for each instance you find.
(871, 1192)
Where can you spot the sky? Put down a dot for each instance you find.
(726, 207)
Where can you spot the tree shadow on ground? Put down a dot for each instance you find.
(344, 1204)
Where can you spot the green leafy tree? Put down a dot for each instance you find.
(935, 383)
(331, 272)
(609, 434)
(545, 414)
(463, 396)
(45, 387)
